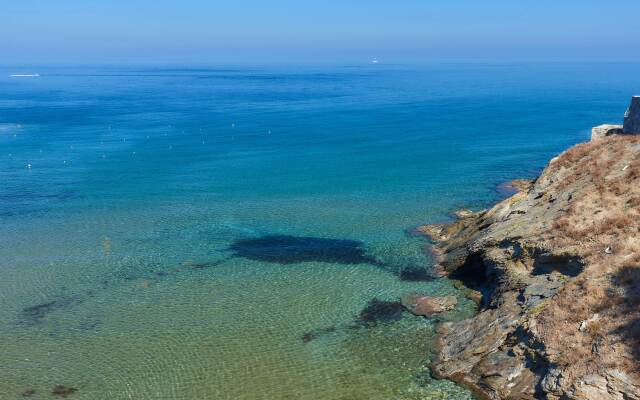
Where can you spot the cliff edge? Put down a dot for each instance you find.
(557, 270)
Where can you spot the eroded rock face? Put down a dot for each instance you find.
(540, 260)
(632, 117)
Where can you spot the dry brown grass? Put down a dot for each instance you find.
(603, 221)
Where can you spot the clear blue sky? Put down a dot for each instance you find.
(316, 31)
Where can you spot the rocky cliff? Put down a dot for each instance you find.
(556, 269)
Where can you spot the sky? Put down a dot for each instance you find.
(264, 31)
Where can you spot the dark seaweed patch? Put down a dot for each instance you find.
(89, 324)
(377, 311)
(63, 391)
(35, 314)
(314, 334)
(308, 336)
(38, 312)
(201, 265)
(285, 249)
(207, 264)
(415, 274)
(28, 393)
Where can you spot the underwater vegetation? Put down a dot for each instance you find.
(314, 334)
(203, 265)
(35, 314)
(63, 391)
(415, 274)
(39, 311)
(377, 311)
(286, 249)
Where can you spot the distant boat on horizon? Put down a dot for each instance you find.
(23, 75)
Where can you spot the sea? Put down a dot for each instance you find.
(245, 232)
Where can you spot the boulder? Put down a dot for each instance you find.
(600, 131)
(420, 304)
(632, 117)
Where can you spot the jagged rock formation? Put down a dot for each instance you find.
(632, 117)
(558, 266)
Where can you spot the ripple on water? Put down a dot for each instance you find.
(244, 330)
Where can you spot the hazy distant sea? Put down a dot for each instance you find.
(214, 233)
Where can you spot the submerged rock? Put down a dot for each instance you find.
(423, 305)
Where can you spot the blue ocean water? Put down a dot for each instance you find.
(191, 233)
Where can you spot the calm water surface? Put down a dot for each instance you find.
(214, 233)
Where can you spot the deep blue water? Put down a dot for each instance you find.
(127, 195)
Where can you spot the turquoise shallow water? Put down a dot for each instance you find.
(215, 232)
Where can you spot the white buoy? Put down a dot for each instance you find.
(28, 166)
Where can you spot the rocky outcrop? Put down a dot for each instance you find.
(601, 131)
(558, 266)
(424, 305)
(632, 117)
